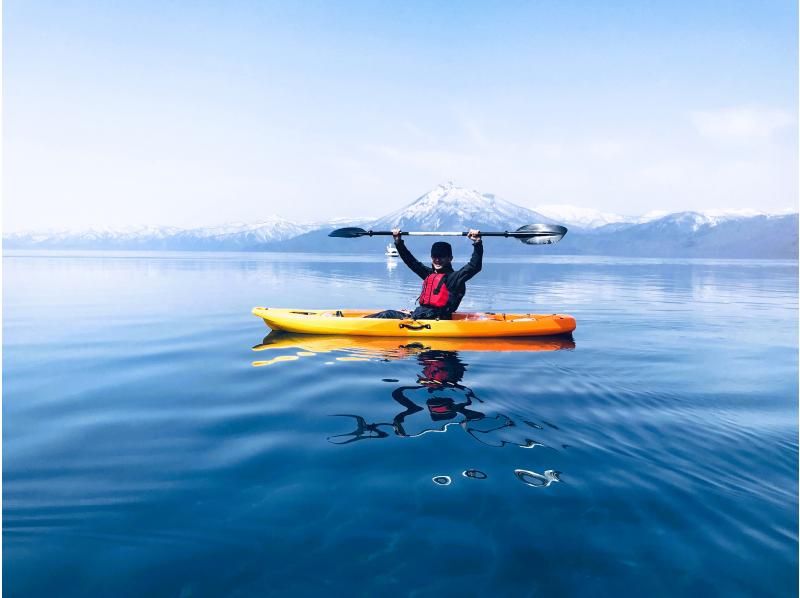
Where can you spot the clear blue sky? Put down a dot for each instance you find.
(196, 113)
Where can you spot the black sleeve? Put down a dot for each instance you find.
(409, 260)
(472, 267)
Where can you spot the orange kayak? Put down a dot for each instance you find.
(351, 322)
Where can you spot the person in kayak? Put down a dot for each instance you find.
(443, 288)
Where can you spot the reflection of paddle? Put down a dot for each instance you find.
(530, 234)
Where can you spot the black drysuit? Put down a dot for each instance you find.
(454, 280)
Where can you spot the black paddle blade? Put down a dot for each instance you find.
(350, 232)
(540, 234)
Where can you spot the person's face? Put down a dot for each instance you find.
(440, 261)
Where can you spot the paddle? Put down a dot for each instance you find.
(530, 234)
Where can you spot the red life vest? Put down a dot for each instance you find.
(434, 292)
(436, 371)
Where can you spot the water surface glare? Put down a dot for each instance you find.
(156, 441)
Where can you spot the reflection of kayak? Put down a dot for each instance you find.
(387, 346)
(352, 322)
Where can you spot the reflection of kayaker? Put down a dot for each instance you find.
(438, 388)
(448, 403)
(441, 373)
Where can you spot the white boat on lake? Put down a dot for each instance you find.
(391, 250)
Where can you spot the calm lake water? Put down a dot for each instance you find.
(149, 450)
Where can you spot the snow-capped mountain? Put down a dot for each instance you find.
(225, 237)
(692, 234)
(710, 233)
(90, 235)
(685, 234)
(680, 221)
(575, 217)
(448, 207)
(716, 216)
(241, 235)
(272, 228)
(705, 218)
(588, 218)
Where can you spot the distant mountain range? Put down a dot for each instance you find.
(733, 234)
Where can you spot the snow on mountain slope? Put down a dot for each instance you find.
(588, 218)
(271, 229)
(234, 235)
(705, 218)
(451, 207)
(579, 217)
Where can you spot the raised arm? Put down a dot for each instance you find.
(475, 263)
(408, 258)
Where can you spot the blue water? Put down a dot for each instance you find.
(144, 454)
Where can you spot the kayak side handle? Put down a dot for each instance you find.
(415, 326)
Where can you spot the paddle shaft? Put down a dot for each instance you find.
(464, 234)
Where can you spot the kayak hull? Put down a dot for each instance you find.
(351, 322)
